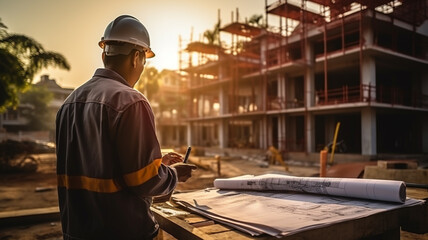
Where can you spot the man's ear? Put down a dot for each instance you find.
(135, 59)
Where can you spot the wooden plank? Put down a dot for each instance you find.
(406, 175)
(175, 225)
(203, 224)
(415, 220)
(29, 216)
(194, 219)
(397, 164)
(233, 235)
(197, 221)
(216, 228)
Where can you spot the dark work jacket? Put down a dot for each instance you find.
(109, 161)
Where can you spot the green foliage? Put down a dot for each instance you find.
(21, 57)
(213, 36)
(39, 115)
(257, 20)
(149, 82)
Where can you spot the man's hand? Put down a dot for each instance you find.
(171, 158)
(184, 170)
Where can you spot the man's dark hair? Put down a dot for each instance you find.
(118, 59)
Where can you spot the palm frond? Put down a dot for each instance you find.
(3, 28)
(46, 59)
(21, 44)
(210, 36)
(256, 20)
(12, 69)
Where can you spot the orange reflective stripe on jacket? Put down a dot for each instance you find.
(87, 183)
(143, 175)
(108, 185)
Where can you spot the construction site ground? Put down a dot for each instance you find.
(38, 190)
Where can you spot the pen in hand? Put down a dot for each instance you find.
(186, 157)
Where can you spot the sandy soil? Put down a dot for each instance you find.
(38, 190)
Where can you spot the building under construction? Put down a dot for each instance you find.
(289, 81)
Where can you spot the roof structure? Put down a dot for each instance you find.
(242, 29)
(291, 11)
(203, 48)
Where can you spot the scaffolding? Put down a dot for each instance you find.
(278, 84)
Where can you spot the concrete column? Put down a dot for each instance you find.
(368, 35)
(263, 133)
(223, 101)
(368, 76)
(269, 132)
(223, 133)
(282, 131)
(189, 134)
(309, 88)
(368, 132)
(310, 132)
(263, 48)
(281, 85)
(309, 76)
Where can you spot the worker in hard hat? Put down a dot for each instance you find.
(109, 161)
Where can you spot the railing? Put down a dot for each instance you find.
(282, 55)
(346, 94)
(354, 94)
(369, 93)
(278, 103)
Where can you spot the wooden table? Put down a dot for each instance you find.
(183, 224)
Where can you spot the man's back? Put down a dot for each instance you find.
(109, 161)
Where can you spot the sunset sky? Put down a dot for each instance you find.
(73, 28)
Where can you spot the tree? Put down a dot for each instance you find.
(213, 36)
(21, 57)
(257, 20)
(39, 116)
(149, 82)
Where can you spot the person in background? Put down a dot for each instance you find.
(109, 162)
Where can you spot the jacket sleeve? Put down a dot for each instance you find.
(139, 154)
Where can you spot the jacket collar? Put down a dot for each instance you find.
(110, 74)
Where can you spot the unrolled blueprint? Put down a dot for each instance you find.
(280, 213)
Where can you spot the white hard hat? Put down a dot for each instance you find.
(126, 29)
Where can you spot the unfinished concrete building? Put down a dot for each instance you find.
(363, 63)
(167, 105)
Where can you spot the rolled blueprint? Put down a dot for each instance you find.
(383, 190)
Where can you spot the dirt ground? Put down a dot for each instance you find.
(38, 190)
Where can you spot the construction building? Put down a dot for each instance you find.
(360, 63)
(167, 105)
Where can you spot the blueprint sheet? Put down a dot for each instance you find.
(279, 213)
(383, 190)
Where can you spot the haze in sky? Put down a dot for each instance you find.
(73, 28)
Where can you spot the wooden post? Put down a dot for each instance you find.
(217, 157)
(323, 163)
